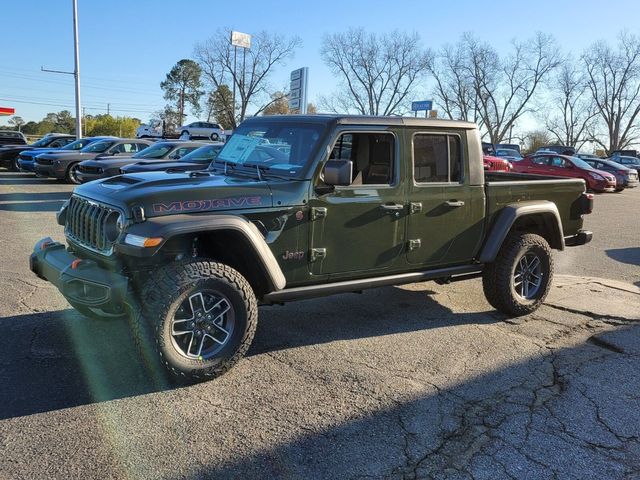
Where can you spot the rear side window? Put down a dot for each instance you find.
(437, 158)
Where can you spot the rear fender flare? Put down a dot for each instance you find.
(510, 214)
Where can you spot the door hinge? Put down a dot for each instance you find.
(317, 254)
(414, 244)
(415, 207)
(318, 212)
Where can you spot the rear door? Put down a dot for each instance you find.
(446, 214)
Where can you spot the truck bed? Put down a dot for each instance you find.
(505, 188)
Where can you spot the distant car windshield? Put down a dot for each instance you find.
(628, 160)
(581, 163)
(202, 154)
(158, 150)
(97, 147)
(43, 142)
(505, 152)
(77, 145)
(278, 146)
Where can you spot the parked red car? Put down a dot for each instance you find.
(496, 164)
(565, 166)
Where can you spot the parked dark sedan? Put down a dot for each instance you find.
(64, 165)
(27, 158)
(629, 162)
(107, 167)
(625, 177)
(199, 159)
(11, 137)
(9, 153)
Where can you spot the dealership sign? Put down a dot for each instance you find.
(7, 111)
(298, 90)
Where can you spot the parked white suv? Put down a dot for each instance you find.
(202, 129)
(149, 131)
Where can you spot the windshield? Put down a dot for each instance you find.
(97, 147)
(203, 154)
(77, 145)
(285, 147)
(581, 163)
(43, 142)
(508, 153)
(158, 150)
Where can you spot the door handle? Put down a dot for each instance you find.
(454, 203)
(392, 208)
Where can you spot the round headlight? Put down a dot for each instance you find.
(113, 226)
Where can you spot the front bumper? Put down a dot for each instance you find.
(80, 281)
(27, 165)
(53, 171)
(581, 238)
(85, 177)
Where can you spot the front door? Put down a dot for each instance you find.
(446, 213)
(360, 227)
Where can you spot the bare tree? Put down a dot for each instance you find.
(378, 73)
(17, 121)
(453, 89)
(504, 88)
(573, 111)
(251, 74)
(613, 78)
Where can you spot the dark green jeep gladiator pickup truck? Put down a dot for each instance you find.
(303, 206)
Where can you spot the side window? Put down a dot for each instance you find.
(141, 146)
(57, 144)
(539, 160)
(181, 152)
(436, 158)
(557, 162)
(372, 155)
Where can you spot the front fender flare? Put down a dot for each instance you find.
(508, 216)
(170, 226)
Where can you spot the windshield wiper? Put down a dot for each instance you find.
(263, 169)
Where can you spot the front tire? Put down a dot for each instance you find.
(518, 281)
(214, 137)
(14, 165)
(72, 174)
(185, 132)
(201, 315)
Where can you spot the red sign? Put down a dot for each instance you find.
(7, 111)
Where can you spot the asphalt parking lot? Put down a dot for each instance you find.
(419, 381)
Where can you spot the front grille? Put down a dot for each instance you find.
(44, 161)
(89, 169)
(91, 225)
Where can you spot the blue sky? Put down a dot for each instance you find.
(127, 47)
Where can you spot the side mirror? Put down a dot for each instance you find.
(338, 172)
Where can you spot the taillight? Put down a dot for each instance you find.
(587, 203)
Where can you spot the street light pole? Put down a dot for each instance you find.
(76, 70)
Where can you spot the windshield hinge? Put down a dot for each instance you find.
(318, 212)
(414, 244)
(415, 207)
(318, 254)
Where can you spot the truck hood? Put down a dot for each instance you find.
(165, 165)
(161, 193)
(108, 163)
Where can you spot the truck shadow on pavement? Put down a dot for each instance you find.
(567, 413)
(52, 206)
(55, 360)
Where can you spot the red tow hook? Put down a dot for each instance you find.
(75, 263)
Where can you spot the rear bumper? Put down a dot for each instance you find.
(80, 281)
(581, 238)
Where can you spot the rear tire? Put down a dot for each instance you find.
(518, 281)
(214, 137)
(14, 165)
(199, 315)
(184, 132)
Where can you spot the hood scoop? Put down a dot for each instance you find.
(120, 181)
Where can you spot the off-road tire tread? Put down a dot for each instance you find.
(172, 280)
(496, 277)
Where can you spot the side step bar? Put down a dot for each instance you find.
(312, 291)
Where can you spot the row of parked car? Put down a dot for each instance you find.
(63, 157)
(612, 174)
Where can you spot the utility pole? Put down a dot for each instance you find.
(108, 105)
(76, 70)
